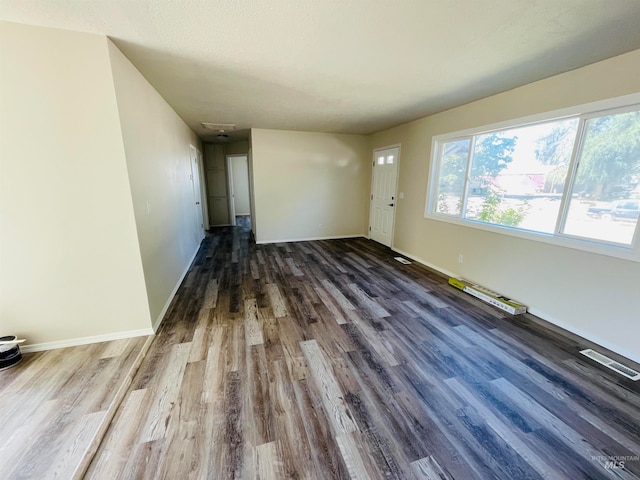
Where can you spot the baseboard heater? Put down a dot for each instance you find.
(489, 296)
(611, 364)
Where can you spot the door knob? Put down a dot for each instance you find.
(197, 203)
(391, 204)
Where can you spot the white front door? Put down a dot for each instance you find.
(383, 195)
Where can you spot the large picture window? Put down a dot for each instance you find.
(575, 177)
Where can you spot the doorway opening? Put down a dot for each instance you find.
(239, 190)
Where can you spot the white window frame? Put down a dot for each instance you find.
(584, 112)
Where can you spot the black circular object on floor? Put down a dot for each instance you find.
(11, 356)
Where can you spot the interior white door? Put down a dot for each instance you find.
(197, 193)
(383, 195)
(203, 189)
(232, 194)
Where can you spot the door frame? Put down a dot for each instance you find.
(204, 194)
(230, 194)
(230, 191)
(252, 198)
(197, 195)
(373, 162)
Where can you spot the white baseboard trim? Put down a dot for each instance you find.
(163, 312)
(424, 262)
(542, 315)
(74, 342)
(584, 334)
(309, 239)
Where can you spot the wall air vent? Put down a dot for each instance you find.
(611, 364)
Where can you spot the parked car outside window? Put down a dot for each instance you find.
(627, 209)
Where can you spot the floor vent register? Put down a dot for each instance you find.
(612, 364)
(402, 260)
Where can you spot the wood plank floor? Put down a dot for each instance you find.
(55, 406)
(330, 360)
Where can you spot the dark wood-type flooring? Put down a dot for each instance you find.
(330, 360)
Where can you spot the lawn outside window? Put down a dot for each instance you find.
(570, 177)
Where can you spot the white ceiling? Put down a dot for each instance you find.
(349, 66)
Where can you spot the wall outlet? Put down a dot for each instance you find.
(460, 258)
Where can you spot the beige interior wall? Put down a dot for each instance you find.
(309, 185)
(236, 148)
(593, 295)
(156, 143)
(69, 261)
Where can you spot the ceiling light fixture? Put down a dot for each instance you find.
(219, 127)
